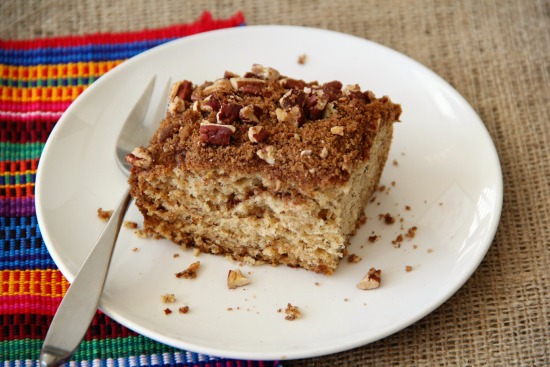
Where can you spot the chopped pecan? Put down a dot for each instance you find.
(215, 134)
(265, 72)
(292, 98)
(140, 157)
(190, 272)
(228, 113)
(185, 89)
(235, 278)
(219, 85)
(315, 104)
(250, 114)
(252, 86)
(337, 130)
(267, 154)
(353, 91)
(257, 134)
(292, 312)
(333, 90)
(290, 83)
(371, 280)
(293, 115)
(229, 74)
(210, 104)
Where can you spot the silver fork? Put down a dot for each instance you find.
(79, 305)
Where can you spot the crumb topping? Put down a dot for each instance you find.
(261, 123)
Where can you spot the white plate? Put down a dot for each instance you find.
(447, 171)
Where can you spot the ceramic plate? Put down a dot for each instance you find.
(443, 177)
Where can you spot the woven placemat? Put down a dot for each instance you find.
(497, 55)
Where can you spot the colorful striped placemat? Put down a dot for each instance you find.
(39, 79)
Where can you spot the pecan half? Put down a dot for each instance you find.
(215, 134)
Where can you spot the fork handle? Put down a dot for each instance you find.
(79, 305)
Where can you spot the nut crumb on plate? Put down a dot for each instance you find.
(371, 280)
(408, 268)
(292, 312)
(190, 272)
(354, 258)
(104, 215)
(235, 278)
(130, 224)
(167, 311)
(168, 298)
(302, 59)
(184, 309)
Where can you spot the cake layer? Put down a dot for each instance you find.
(264, 168)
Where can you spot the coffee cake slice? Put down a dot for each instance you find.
(264, 168)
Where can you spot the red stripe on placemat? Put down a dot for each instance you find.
(203, 24)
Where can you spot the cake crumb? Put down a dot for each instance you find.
(354, 258)
(292, 312)
(141, 233)
(317, 284)
(104, 215)
(183, 310)
(302, 59)
(129, 224)
(196, 251)
(429, 250)
(373, 238)
(371, 280)
(168, 298)
(190, 272)
(388, 218)
(175, 255)
(395, 162)
(408, 268)
(360, 221)
(411, 232)
(135, 249)
(235, 278)
(397, 242)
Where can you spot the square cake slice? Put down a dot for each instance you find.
(264, 168)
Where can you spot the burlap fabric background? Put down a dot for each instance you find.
(497, 55)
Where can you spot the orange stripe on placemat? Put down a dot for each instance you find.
(33, 282)
(55, 71)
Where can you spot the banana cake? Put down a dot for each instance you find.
(264, 168)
